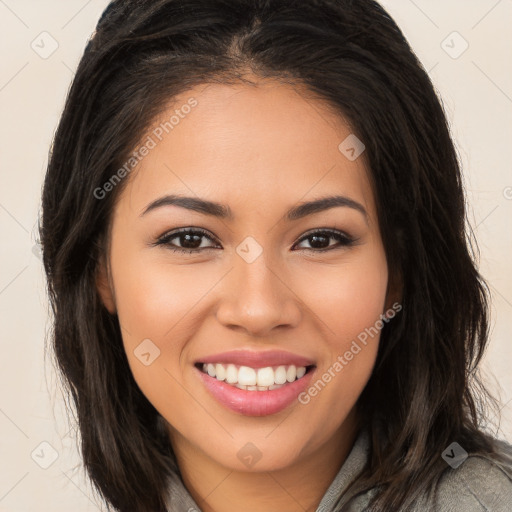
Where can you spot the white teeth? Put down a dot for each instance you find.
(280, 375)
(291, 373)
(258, 388)
(255, 379)
(220, 372)
(246, 376)
(265, 376)
(231, 374)
(301, 371)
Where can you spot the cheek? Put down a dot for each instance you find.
(156, 302)
(163, 303)
(349, 302)
(160, 301)
(166, 302)
(155, 299)
(350, 296)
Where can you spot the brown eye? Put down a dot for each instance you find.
(320, 240)
(190, 240)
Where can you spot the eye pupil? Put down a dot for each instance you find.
(316, 237)
(189, 244)
(190, 241)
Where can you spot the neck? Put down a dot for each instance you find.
(299, 487)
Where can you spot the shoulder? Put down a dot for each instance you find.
(479, 484)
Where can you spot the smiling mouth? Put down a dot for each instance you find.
(255, 379)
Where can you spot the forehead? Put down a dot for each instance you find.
(253, 145)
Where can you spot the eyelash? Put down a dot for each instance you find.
(344, 239)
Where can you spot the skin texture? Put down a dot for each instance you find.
(259, 150)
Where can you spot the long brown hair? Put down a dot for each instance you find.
(422, 393)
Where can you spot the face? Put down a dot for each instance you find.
(247, 287)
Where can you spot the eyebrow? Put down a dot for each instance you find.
(224, 212)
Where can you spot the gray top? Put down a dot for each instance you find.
(478, 484)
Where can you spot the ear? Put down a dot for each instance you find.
(105, 287)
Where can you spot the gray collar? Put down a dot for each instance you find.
(350, 469)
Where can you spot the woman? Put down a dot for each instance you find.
(254, 236)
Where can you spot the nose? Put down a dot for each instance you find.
(256, 299)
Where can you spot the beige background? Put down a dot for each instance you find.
(476, 88)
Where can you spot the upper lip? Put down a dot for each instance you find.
(256, 359)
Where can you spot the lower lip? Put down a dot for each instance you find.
(255, 403)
